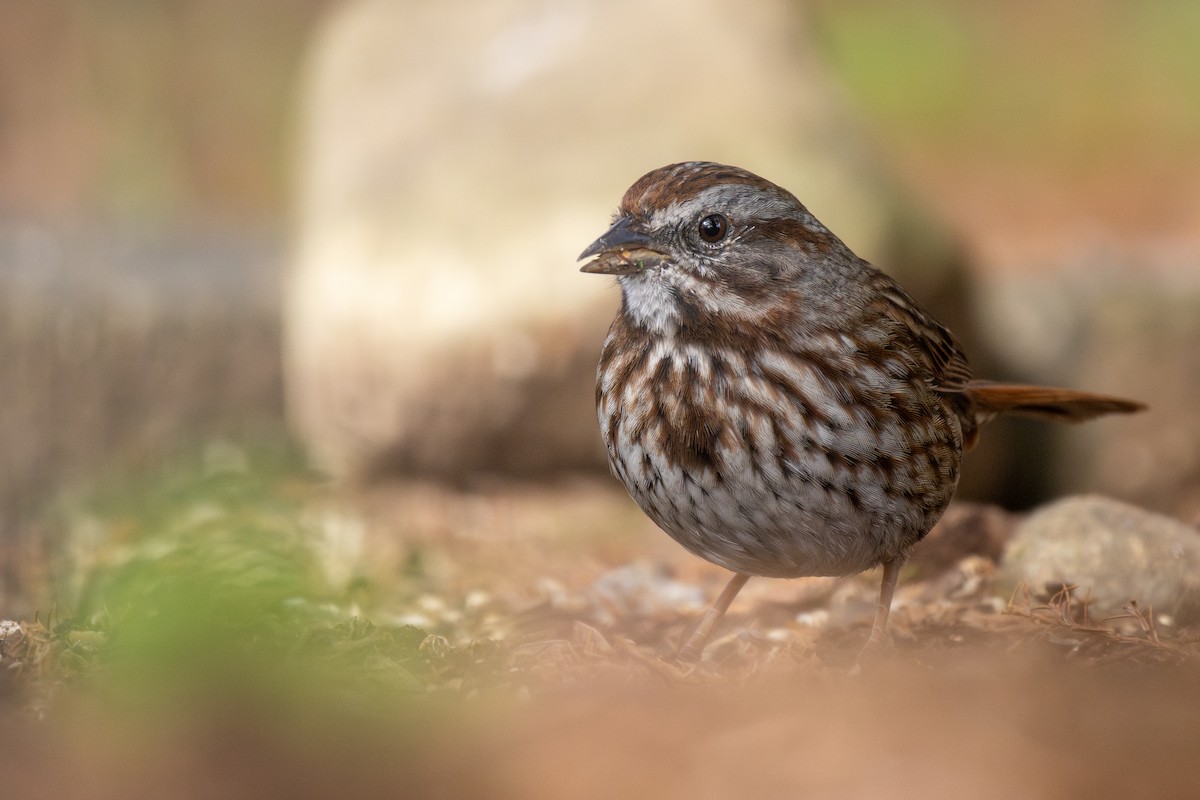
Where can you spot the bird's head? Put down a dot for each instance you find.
(699, 237)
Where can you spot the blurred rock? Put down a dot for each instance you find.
(456, 159)
(644, 589)
(971, 578)
(1112, 552)
(966, 529)
(1126, 325)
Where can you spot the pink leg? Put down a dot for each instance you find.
(891, 573)
(695, 644)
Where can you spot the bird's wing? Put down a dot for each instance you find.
(938, 349)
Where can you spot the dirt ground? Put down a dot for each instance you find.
(576, 603)
(552, 616)
(982, 692)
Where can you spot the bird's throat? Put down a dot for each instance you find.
(649, 302)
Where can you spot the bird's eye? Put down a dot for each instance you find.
(713, 228)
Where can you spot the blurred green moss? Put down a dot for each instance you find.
(1067, 82)
(199, 581)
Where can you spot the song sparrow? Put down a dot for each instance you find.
(776, 404)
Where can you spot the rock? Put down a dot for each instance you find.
(1113, 552)
(457, 158)
(966, 529)
(1119, 324)
(645, 590)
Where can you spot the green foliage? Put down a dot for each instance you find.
(904, 62)
(1070, 82)
(200, 580)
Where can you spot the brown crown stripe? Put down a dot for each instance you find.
(683, 181)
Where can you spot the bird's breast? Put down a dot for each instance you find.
(784, 456)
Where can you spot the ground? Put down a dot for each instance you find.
(262, 629)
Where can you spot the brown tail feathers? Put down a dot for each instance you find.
(1065, 405)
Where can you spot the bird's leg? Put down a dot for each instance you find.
(695, 644)
(891, 573)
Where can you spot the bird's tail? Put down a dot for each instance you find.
(989, 399)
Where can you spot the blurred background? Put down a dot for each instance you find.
(354, 223)
(257, 255)
(379, 205)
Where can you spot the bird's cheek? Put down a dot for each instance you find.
(750, 284)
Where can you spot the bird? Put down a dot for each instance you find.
(776, 404)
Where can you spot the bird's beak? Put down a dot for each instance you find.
(622, 250)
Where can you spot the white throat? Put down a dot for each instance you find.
(649, 302)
